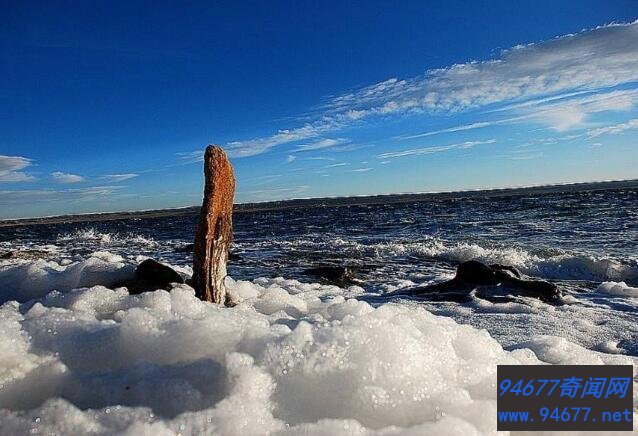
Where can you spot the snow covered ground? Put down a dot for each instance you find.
(292, 358)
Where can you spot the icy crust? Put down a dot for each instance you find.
(291, 358)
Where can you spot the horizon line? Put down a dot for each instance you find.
(460, 191)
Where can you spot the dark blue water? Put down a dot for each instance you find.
(580, 238)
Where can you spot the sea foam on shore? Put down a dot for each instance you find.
(291, 358)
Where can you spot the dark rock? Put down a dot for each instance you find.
(541, 289)
(503, 282)
(473, 272)
(157, 273)
(151, 275)
(506, 269)
(336, 275)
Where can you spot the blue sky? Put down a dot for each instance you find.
(107, 106)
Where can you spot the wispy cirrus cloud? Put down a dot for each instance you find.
(11, 169)
(433, 149)
(260, 145)
(614, 129)
(276, 193)
(27, 196)
(560, 112)
(602, 57)
(321, 144)
(319, 158)
(574, 112)
(188, 157)
(65, 178)
(460, 128)
(119, 177)
(574, 64)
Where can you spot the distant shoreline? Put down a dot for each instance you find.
(329, 202)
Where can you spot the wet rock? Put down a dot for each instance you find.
(475, 273)
(494, 282)
(157, 273)
(507, 269)
(151, 275)
(335, 275)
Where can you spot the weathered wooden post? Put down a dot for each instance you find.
(214, 231)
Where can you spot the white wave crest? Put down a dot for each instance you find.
(104, 238)
(563, 266)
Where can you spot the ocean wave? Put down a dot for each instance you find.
(549, 264)
(92, 235)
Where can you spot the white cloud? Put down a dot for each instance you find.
(259, 145)
(602, 57)
(290, 158)
(188, 157)
(433, 149)
(562, 119)
(591, 60)
(10, 167)
(341, 164)
(539, 101)
(573, 113)
(361, 170)
(560, 115)
(61, 177)
(275, 193)
(319, 158)
(615, 129)
(463, 127)
(9, 198)
(119, 177)
(321, 144)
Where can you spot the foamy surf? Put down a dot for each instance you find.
(558, 265)
(105, 238)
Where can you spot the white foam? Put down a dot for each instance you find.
(291, 358)
(104, 238)
(619, 289)
(560, 266)
(28, 280)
